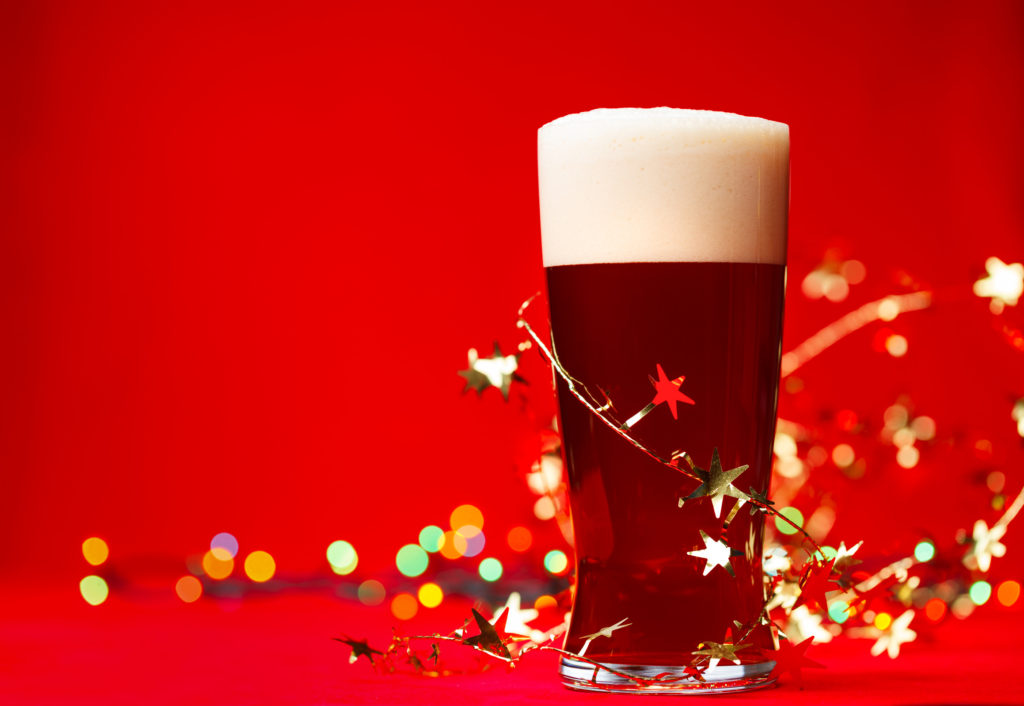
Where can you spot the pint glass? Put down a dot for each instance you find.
(664, 243)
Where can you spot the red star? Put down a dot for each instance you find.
(818, 582)
(668, 391)
(790, 658)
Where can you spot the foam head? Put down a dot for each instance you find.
(663, 185)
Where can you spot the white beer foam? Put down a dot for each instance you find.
(663, 185)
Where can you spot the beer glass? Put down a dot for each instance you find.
(664, 244)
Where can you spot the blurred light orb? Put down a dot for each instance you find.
(411, 560)
(1008, 592)
(544, 602)
(95, 551)
(838, 611)
(924, 551)
(260, 566)
(556, 562)
(896, 345)
(215, 567)
(371, 592)
(404, 606)
(452, 545)
(544, 508)
(794, 515)
(94, 590)
(467, 515)
(843, 455)
(908, 456)
(189, 589)
(883, 621)
(431, 537)
(520, 539)
(342, 557)
(474, 540)
(980, 592)
(224, 546)
(935, 609)
(430, 595)
(490, 569)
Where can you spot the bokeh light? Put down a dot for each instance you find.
(838, 611)
(962, 607)
(490, 569)
(215, 567)
(467, 515)
(404, 606)
(843, 455)
(896, 345)
(411, 560)
(924, 551)
(189, 589)
(556, 562)
(452, 545)
(260, 566)
(883, 621)
(342, 557)
(520, 539)
(544, 508)
(980, 592)
(371, 592)
(1008, 592)
(431, 538)
(224, 546)
(544, 602)
(95, 551)
(430, 595)
(908, 456)
(792, 514)
(474, 539)
(935, 609)
(94, 590)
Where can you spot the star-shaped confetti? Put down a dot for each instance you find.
(717, 652)
(603, 632)
(775, 561)
(497, 371)
(817, 583)
(716, 484)
(360, 648)
(516, 618)
(1004, 284)
(897, 634)
(986, 545)
(715, 553)
(760, 501)
(668, 391)
(490, 638)
(790, 658)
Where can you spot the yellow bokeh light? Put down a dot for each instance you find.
(95, 551)
(260, 566)
(94, 590)
(544, 508)
(430, 595)
(908, 456)
(189, 589)
(404, 606)
(467, 515)
(883, 621)
(217, 568)
(896, 345)
(843, 455)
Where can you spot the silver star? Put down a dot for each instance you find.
(516, 622)
(715, 552)
(897, 634)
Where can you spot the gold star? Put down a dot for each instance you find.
(986, 545)
(717, 651)
(497, 371)
(1004, 284)
(715, 552)
(603, 632)
(897, 634)
(360, 648)
(716, 484)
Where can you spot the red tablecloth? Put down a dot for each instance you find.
(277, 650)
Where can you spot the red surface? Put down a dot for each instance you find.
(279, 652)
(245, 248)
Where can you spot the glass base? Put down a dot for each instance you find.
(720, 679)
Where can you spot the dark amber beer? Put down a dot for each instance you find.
(664, 235)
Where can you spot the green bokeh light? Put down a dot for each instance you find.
(837, 611)
(411, 560)
(924, 551)
(980, 592)
(793, 514)
(431, 537)
(94, 590)
(556, 562)
(490, 569)
(342, 557)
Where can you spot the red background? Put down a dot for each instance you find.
(245, 248)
